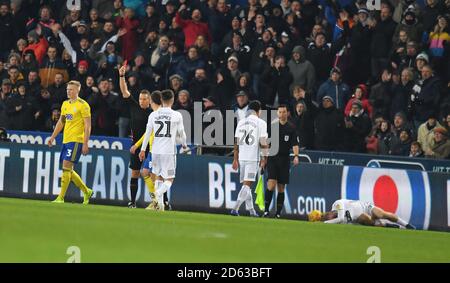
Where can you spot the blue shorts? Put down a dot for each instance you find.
(71, 151)
(148, 162)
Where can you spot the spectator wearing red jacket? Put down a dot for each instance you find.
(37, 43)
(360, 94)
(129, 41)
(193, 28)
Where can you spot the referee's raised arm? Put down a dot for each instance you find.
(122, 82)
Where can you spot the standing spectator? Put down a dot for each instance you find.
(381, 93)
(441, 148)
(381, 43)
(437, 39)
(244, 83)
(360, 43)
(233, 68)
(334, 88)
(199, 87)
(398, 50)
(276, 81)
(401, 94)
(58, 90)
(219, 18)
(302, 70)
(187, 66)
(176, 84)
(328, 126)
(193, 27)
(37, 43)
(411, 25)
(151, 19)
(184, 102)
(51, 66)
(8, 30)
(4, 117)
(22, 109)
(128, 40)
(241, 106)
(223, 89)
(304, 124)
(51, 122)
(426, 97)
(105, 107)
(357, 127)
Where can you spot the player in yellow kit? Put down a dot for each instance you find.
(76, 122)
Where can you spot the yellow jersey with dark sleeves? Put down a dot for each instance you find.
(75, 112)
(150, 143)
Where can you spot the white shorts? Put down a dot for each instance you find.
(248, 170)
(164, 165)
(359, 208)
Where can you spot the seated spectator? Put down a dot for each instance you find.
(416, 150)
(441, 148)
(403, 146)
(425, 133)
(244, 83)
(58, 89)
(183, 102)
(51, 66)
(361, 95)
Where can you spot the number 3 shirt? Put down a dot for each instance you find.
(249, 132)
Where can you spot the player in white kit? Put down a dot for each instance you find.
(250, 141)
(344, 211)
(167, 125)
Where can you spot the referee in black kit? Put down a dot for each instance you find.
(278, 165)
(139, 112)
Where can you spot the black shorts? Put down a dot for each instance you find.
(135, 163)
(278, 169)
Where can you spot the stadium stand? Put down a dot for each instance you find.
(356, 80)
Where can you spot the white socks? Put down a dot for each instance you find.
(160, 190)
(402, 222)
(245, 195)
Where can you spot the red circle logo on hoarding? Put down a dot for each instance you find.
(385, 194)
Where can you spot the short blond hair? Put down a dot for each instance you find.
(75, 83)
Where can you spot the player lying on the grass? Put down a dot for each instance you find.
(168, 125)
(75, 120)
(346, 211)
(250, 141)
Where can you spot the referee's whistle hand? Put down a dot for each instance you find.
(142, 156)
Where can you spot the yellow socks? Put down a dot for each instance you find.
(149, 183)
(76, 179)
(65, 181)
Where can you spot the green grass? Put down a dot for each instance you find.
(39, 231)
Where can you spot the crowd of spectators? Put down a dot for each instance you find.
(354, 79)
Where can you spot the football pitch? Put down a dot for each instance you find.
(39, 231)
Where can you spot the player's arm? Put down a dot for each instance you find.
(264, 151)
(295, 147)
(87, 135)
(148, 131)
(182, 134)
(123, 83)
(339, 219)
(58, 128)
(236, 154)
